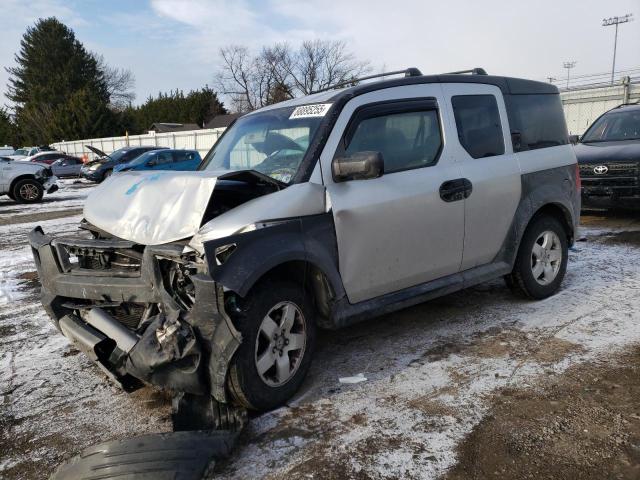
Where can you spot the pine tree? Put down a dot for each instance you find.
(57, 87)
(7, 129)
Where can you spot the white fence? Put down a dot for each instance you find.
(201, 140)
(583, 106)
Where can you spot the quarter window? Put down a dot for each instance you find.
(406, 139)
(539, 119)
(478, 124)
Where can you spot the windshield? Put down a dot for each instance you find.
(271, 143)
(614, 126)
(21, 151)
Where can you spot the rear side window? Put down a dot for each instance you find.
(478, 124)
(406, 140)
(183, 156)
(539, 119)
(162, 158)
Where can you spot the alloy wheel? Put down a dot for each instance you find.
(281, 343)
(28, 191)
(546, 257)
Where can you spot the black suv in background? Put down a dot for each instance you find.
(609, 158)
(101, 168)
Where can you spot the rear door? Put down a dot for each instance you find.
(482, 145)
(395, 231)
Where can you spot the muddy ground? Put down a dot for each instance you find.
(477, 384)
(584, 423)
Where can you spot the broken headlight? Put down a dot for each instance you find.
(210, 232)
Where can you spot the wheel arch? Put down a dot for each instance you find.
(25, 176)
(313, 279)
(303, 250)
(548, 192)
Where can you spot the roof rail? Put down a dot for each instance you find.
(473, 71)
(408, 72)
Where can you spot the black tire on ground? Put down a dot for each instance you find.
(244, 381)
(11, 196)
(522, 279)
(27, 191)
(106, 175)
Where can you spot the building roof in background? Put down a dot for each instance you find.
(222, 121)
(173, 127)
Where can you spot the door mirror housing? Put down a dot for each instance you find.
(574, 139)
(357, 166)
(151, 163)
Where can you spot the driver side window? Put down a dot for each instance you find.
(406, 139)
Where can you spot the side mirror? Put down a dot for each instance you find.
(151, 163)
(573, 139)
(357, 166)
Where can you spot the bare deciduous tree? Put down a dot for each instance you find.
(279, 72)
(120, 83)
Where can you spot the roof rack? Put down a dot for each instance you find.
(473, 71)
(408, 72)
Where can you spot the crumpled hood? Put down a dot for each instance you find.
(151, 208)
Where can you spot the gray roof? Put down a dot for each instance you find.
(161, 127)
(222, 121)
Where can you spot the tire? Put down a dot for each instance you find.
(27, 191)
(538, 273)
(262, 385)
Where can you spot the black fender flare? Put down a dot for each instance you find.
(540, 192)
(309, 239)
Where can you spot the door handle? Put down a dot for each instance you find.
(454, 190)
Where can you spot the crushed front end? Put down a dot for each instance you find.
(143, 313)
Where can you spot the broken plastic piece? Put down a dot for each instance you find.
(355, 379)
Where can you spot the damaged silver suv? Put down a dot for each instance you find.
(316, 212)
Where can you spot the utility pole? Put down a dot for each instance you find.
(607, 22)
(568, 66)
(551, 79)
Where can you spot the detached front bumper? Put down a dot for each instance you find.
(50, 184)
(129, 319)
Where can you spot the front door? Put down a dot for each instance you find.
(395, 231)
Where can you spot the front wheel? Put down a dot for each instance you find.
(542, 259)
(278, 330)
(27, 191)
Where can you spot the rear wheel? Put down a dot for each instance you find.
(542, 259)
(27, 191)
(278, 330)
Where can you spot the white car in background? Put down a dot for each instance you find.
(25, 182)
(6, 150)
(24, 152)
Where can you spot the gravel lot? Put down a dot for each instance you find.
(477, 384)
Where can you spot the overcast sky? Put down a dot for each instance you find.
(170, 44)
